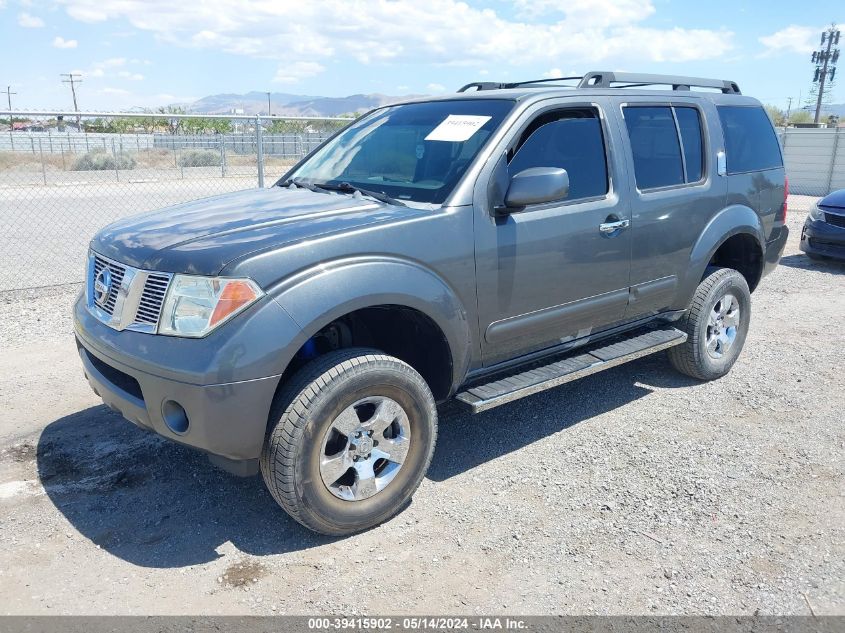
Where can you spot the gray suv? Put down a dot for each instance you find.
(480, 246)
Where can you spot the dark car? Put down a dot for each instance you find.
(481, 246)
(823, 234)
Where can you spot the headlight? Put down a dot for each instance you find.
(194, 305)
(816, 213)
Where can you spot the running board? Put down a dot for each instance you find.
(540, 377)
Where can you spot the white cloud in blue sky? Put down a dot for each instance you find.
(338, 47)
(28, 21)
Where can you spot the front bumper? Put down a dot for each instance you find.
(225, 382)
(821, 238)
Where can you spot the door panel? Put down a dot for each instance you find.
(548, 273)
(667, 221)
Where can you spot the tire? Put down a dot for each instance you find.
(317, 461)
(711, 347)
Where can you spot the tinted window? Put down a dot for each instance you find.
(416, 152)
(750, 141)
(690, 126)
(571, 140)
(654, 144)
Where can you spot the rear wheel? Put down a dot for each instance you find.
(353, 435)
(716, 325)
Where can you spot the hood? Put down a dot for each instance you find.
(202, 236)
(835, 200)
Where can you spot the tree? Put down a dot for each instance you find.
(777, 115)
(800, 116)
(174, 126)
(280, 126)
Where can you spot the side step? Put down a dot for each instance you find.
(588, 361)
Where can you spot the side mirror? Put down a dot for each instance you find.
(537, 185)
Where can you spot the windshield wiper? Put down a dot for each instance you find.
(345, 187)
(296, 182)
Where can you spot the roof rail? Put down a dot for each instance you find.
(607, 79)
(494, 85)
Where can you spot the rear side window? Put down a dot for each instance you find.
(571, 139)
(689, 125)
(750, 140)
(666, 145)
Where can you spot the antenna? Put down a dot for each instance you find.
(73, 79)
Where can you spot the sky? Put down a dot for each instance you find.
(148, 53)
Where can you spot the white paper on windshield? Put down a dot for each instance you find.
(457, 127)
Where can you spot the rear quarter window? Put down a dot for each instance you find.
(750, 140)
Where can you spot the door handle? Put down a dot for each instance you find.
(610, 227)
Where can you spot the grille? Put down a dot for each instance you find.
(829, 247)
(135, 296)
(835, 220)
(152, 297)
(117, 272)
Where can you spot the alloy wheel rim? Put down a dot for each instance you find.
(364, 448)
(722, 326)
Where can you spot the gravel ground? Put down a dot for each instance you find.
(632, 491)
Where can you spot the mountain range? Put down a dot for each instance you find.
(287, 104)
(282, 103)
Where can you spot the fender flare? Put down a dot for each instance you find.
(318, 295)
(732, 220)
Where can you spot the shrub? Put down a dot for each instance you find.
(199, 158)
(99, 160)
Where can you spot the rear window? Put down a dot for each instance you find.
(750, 140)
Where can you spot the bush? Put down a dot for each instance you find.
(99, 160)
(199, 158)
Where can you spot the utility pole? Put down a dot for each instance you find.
(269, 110)
(74, 79)
(9, 94)
(825, 61)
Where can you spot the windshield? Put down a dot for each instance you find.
(416, 152)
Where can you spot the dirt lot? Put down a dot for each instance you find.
(632, 491)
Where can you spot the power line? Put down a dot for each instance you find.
(73, 79)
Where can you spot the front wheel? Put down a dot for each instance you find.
(353, 434)
(716, 325)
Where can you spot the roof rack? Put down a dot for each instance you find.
(609, 79)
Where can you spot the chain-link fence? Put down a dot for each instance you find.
(59, 186)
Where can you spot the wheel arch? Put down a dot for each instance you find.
(734, 225)
(333, 291)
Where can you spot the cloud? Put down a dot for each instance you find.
(587, 12)
(439, 32)
(292, 73)
(61, 42)
(792, 39)
(107, 67)
(30, 21)
(112, 62)
(436, 88)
